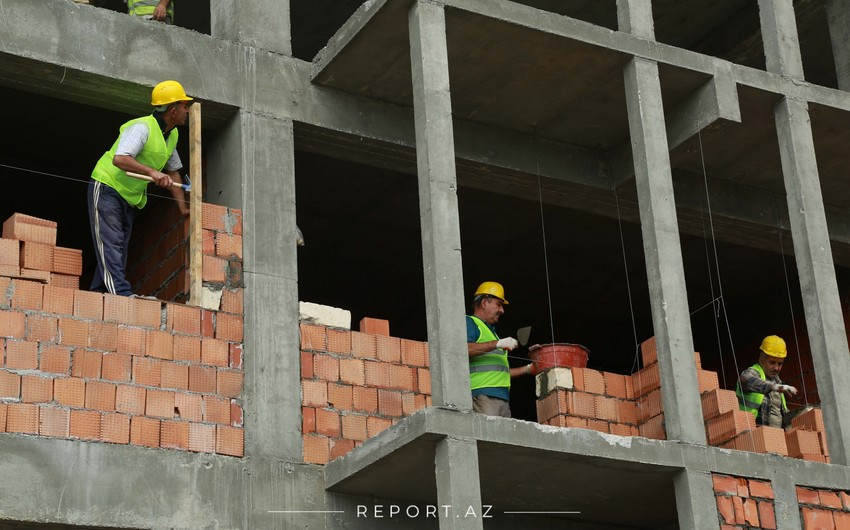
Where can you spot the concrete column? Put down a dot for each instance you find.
(272, 361)
(779, 35)
(838, 16)
(635, 17)
(824, 321)
(785, 506)
(665, 272)
(262, 24)
(695, 503)
(456, 488)
(438, 209)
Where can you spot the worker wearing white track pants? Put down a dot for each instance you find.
(146, 146)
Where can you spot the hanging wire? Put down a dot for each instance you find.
(793, 320)
(545, 253)
(714, 299)
(628, 282)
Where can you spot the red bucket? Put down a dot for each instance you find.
(547, 356)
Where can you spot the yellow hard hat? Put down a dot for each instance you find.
(167, 93)
(774, 346)
(492, 289)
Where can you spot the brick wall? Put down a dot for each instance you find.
(743, 503)
(356, 384)
(824, 509)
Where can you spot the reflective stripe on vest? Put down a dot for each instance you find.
(752, 401)
(147, 7)
(491, 369)
(155, 153)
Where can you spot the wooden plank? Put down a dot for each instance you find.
(196, 244)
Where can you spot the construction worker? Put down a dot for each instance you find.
(489, 372)
(146, 146)
(762, 379)
(159, 10)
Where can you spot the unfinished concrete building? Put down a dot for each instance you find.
(627, 169)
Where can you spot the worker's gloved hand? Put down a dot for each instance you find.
(788, 390)
(508, 343)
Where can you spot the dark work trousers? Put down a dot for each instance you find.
(111, 221)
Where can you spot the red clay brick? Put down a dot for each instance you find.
(236, 356)
(620, 429)
(316, 449)
(100, 396)
(649, 351)
(314, 393)
(767, 517)
(85, 424)
(144, 431)
(22, 418)
(751, 514)
(728, 425)
(174, 375)
(646, 380)
(707, 381)
(815, 519)
(326, 367)
(42, 328)
(214, 269)
(73, 332)
(375, 425)
(402, 378)
(187, 348)
(131, 340)
(53, 421)
(21, 355)
(581, 404)
(147, 371)
(552, 405)
(159, 403)
(375, 326)
(762, 440)
(760, 489)
(88, 305)
(228, 327)
(653, 428)
(130, 399)
(802, 441)
(117, 309)
(12, 324)
(229, 441)
(341, 448)
(202, 379)
(229, 383)
(627, 412)
(339, 341)
(615, 385)
(307, 365)
(159, 344)
(10, 252)
(354, 427)
(829, 499)
(842, 520)
(237, 415)
(313, 338)
(423, 377)
(201, 438)
(231, 301)
(207, 323)
(811, 420)
(807, 496)
(215, 352)
(587, 380)
(377, 374)
(389, 403)
(327, 423)
(86, 363)
(27, 295)
(716, 402)
(216, 410)
(58, 300)
(117, 367)
(649, 405)
(115, 428)
(388, 349)
(37, 256)
(365, 399)
(724, 484)
(70, 391)
(352, 371)
(146, 313)
(67, 261)
(414, 353)
(56, 360)
(188, 407)
(606, 408)
(308, 420)
(65, 281)
(363, 346)
(35, 389)
(183, 319)
(845, 499)
(174, 435)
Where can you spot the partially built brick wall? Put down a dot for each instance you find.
(356, 384)
(822, 509)
(744, 503)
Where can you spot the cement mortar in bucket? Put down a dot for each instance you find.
(545, 356)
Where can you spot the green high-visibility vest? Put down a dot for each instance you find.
(490, 369)
(146, 7)
(751, 401)
(155, 154)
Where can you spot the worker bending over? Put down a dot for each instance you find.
(762, 380)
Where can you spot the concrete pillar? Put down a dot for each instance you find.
(824, 321)
(272, 361)
(665, 272)
(635, 17)
(262, 24)
(785, 506)
(779, 35)
(838, 16)
(438, 208)
(457, 489)
(695, 503)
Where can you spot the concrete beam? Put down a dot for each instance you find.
(663, 253)
(779, 35)
(821, 303)
(838, 16)
(272, 368)
(261, 24)
(438, 207)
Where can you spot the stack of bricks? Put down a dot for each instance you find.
(28, 250)
(824, 509)
(105, 368)
(806, 439)
(162, 259)
(744, 503)
(356, 384)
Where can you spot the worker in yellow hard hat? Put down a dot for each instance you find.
(762, 380)
(145, 146)
(489, 371)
